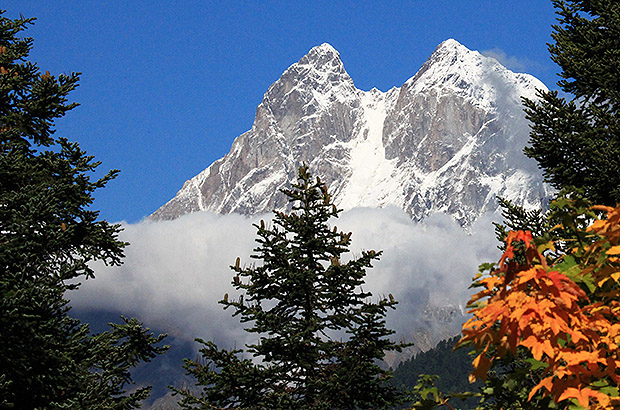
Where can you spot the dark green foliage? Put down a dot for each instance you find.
(48, 236)
(509, 384)
(556, 223)
(320, 336)
(577, 143)
(426, 396)
(518, 218)
(452, 368)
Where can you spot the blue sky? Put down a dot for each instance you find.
(167, 86)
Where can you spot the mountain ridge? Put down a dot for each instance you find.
(448, 140)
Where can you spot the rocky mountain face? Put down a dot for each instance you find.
(448, 140)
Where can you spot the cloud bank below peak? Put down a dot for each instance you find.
(175, 272)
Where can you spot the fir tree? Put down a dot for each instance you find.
(320, 335)
(48, 235)
(577, 143)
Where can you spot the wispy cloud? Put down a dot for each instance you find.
(175, 272)
(514, 63)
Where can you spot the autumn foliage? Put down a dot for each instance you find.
(560, 300)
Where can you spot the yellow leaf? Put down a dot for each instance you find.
(614, 250)
(545, 246)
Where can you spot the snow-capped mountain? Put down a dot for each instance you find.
(448, 140)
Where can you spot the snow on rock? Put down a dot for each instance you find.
(448, 140)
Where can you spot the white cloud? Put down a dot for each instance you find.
(518, 64)
(175, 272)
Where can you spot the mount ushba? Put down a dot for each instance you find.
(448, 140)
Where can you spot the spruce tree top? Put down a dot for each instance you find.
(587, 49)
(577, 143)
(45, 218)
(320, 336)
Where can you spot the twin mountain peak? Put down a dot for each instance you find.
(449, 140)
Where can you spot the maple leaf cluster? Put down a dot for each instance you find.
(563, 307)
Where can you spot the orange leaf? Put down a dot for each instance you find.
(481, 366)
(583, 396)
(614, 250)
(547, 383)
(602, 208)
(574, 393)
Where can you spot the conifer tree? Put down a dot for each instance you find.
(577, 143)
(320, 337)
(48, 235)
